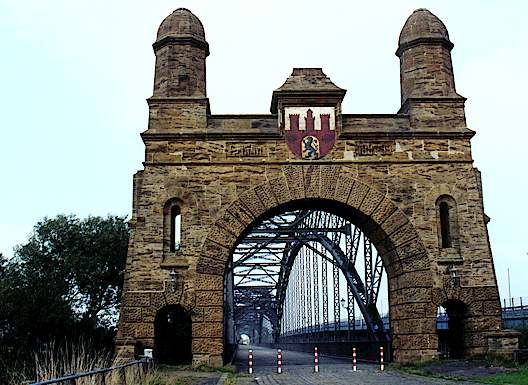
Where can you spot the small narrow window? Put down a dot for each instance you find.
(445, 227)
(175, 228)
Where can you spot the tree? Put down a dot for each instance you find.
(65, 282)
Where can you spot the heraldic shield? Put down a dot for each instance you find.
(309, 131)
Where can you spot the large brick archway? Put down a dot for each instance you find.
(413, 315)
(396, 174)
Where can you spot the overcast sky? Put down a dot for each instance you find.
(74, 77)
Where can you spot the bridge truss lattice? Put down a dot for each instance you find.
(288, 274)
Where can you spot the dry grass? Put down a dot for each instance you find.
(54, 361)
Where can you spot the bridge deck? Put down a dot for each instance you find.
(298, 369)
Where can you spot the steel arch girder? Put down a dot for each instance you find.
(369, 311)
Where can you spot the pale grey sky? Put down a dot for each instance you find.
(74, 78)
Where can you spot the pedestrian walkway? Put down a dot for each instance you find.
(298, 369)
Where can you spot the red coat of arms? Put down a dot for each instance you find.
(309, 131)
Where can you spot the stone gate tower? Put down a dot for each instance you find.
(407, 179)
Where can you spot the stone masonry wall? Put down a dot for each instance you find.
(251, 175)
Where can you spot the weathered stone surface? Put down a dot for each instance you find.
(209, 298)
(343, 188)
(411, 311)
(207, 265)
(409, 326)
(212, 250)
(280, 189)
(208, 330)
(412, 279)
(131, 299)
(132, 314)
(329, 178)
(266, 196)
(384, 172)
(372, 200)
(148, 314)
(213, 314)
(221, 236)
(158, 300)
(383, 211)
(411, 341)
(208, 345)
(503, 343)
(251, 200)
(416, 262)
(312, 180)
(358, 193)
(144, 330)
(394, 222)
(208, 282)
(410, 294)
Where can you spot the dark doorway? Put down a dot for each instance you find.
(173, 334)
(450, 326)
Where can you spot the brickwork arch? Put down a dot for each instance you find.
(413, 315)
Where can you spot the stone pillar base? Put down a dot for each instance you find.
(503, 343)
(212, 360)
(124, 352)
(410, 356)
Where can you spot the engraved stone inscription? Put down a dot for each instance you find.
(236, 150)
(374, 148)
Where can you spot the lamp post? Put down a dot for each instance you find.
(454, 278)
(173, 280)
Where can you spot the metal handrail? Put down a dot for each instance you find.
(72, 378)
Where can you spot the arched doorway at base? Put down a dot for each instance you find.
(450, 326)
(173, 336)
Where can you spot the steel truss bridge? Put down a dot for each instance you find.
(305, 274)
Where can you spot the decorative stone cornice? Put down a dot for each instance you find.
(424, 41)
(181, 40)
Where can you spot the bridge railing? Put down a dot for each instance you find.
(514, 303)
(98, 376)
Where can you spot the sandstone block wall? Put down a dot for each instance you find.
(226, 184)
(386, 172)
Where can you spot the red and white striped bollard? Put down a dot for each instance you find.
(250, 361)
(316, 360)
(354, 362)
(382, 364)
(279, 361)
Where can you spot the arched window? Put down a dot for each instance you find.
(172, 219)
(175, 228)
(447, 222)
(445, 225)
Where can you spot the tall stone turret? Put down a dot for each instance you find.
(180, 50)
(426, 70)
(179, 102)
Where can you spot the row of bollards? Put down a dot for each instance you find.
(316, 360)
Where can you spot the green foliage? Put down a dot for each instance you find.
(63, 284)
(514, 377)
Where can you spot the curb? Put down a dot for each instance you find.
(222, 379)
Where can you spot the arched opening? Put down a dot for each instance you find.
(447, 222)
(173, 336)
(450, 329)
(175, 228)
(244, 339)
(308, 273)
(172, 218)
(444, 225)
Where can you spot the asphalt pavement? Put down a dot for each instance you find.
(298, 369)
